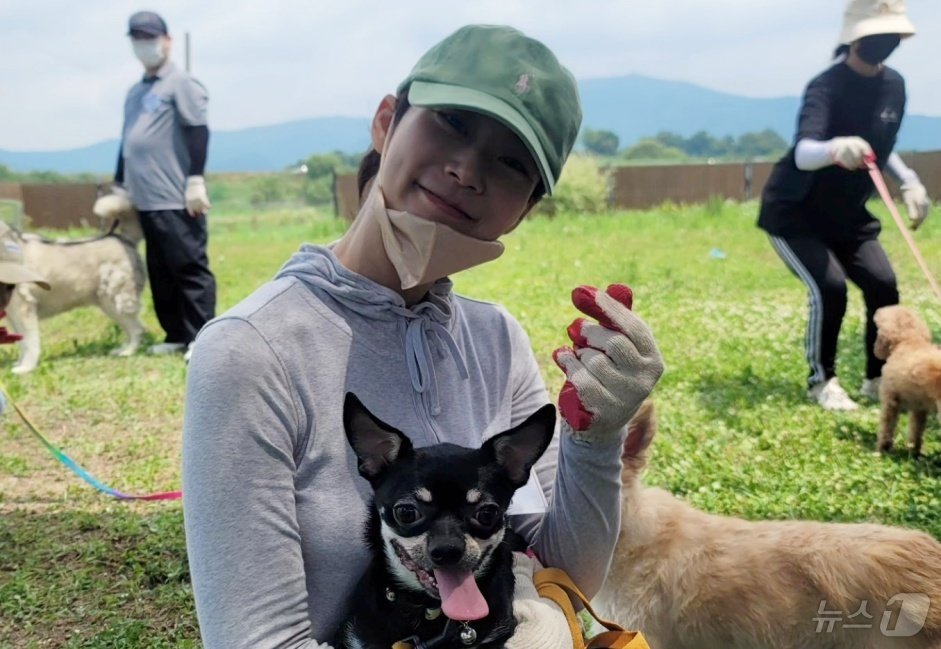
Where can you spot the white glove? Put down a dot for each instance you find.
(612, 368)
(113, 205)
(916, 201)
(540, 622)
(850, 152)
(197, 200)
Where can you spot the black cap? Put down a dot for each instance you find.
(146, 22)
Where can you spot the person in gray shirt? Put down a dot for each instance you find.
(160, 168)
(273, 504)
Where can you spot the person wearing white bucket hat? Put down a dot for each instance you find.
(875, 18)
(814, 204)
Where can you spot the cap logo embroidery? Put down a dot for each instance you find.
(522, 84)
(12, 247)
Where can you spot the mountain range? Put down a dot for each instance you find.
(632, 106)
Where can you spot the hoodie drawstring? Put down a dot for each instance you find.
(421, 368)
(318, 268)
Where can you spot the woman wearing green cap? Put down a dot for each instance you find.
(274, 507)
(814, 204)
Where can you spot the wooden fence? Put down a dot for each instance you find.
(68, 205)
(56, 205)
(644, 187)
(345, 196)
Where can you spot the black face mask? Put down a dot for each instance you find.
(876, 48)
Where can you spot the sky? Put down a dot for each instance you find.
(65, 66)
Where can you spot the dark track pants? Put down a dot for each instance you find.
(183, 287)
(824, 268)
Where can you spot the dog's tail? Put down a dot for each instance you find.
(640, 432)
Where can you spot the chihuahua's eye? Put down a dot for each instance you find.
(487, 515)
(406, 514)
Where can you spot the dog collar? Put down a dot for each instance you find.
(431, 613)
(467, 635)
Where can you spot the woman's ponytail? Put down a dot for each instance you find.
(842, 51)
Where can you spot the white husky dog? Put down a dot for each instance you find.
(104, 271)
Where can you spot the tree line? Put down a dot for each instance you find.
(7, 175)
(666, 145)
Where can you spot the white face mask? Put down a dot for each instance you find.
(423, 251)
(148, 51)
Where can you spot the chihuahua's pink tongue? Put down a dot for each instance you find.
(460, 597)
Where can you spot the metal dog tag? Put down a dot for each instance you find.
(468, 635)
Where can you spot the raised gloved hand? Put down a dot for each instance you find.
(612, 367)
(850, 152)
(540, 622)
(916, 200)
(5, 336)
(197, 200)
(113, 205)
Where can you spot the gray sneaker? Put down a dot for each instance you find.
(188, 353)
(831, 396)
(162, 349)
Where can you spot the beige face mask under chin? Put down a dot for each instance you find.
(423, 251)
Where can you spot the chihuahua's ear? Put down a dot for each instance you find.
(517, 449)
(376, 444)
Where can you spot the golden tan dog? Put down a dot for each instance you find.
(105, 271)
(692, 580)
(911, 376)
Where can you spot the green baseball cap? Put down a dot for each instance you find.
(501, 72)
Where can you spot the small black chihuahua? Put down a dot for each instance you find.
(441, 573)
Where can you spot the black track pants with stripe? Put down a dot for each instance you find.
(824, 268)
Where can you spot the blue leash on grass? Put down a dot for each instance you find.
(72, 465)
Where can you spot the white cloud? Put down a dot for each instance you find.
(65, 66)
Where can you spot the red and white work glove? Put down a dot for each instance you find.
(850, 152)
(5, 336)
(612, 366)
(916, 200)
(197, 200)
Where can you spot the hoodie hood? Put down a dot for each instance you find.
(424, 325)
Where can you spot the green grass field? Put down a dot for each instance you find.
(737, 435)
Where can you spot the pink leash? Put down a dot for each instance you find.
(879, 181)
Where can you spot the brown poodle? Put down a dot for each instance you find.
(911, 376)
(688, 579)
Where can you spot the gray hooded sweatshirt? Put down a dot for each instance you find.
(274, 507)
